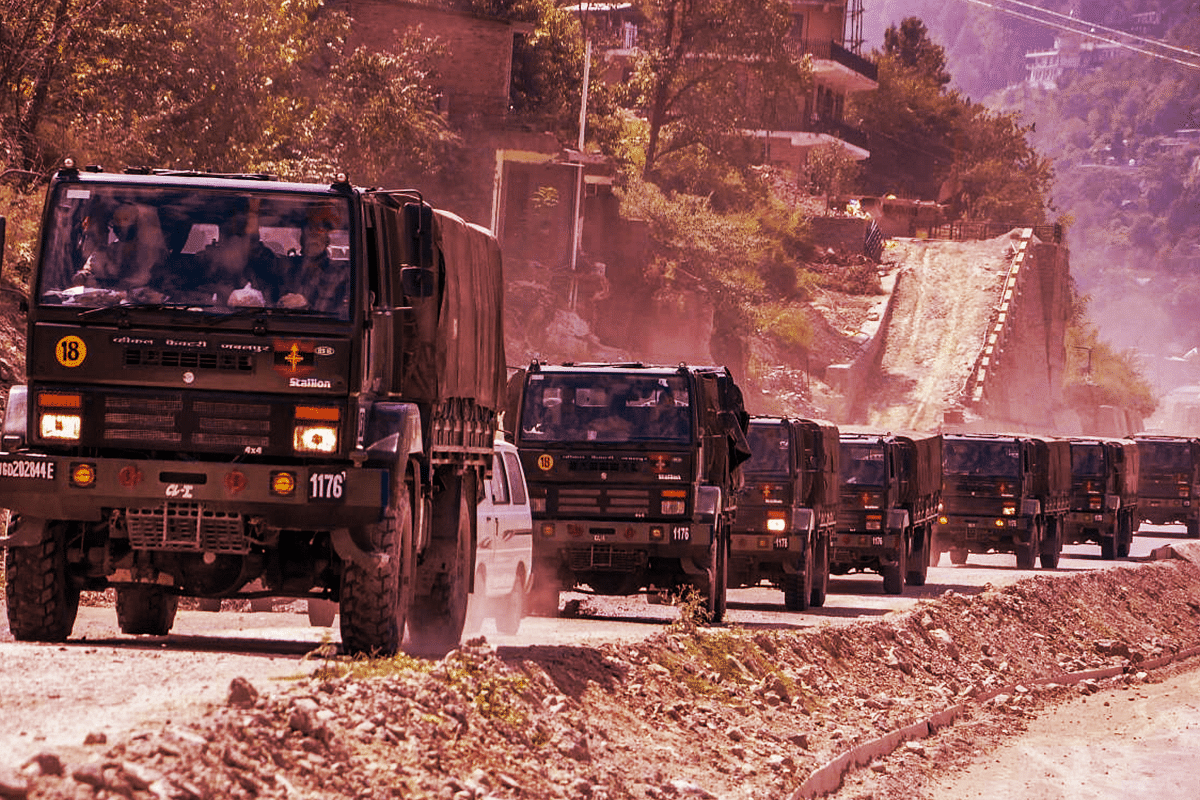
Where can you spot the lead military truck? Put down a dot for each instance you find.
(632, 472)
(324, 434)
(891, 487)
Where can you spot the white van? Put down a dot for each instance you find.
(504, 548)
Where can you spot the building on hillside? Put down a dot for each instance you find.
(830, 34)
(1071, 54)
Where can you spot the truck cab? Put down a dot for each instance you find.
(1003, 493)
(632, 473)
(1104, 494)
(1169, 480)
(786, 509)
(890, 492)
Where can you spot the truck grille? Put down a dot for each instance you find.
(605, 557)
(186, 422)
(186, 527)
(604, 501)
(150, 357)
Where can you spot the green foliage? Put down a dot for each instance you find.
(911, 46)
(831, 170)
(1097, 373)
(709, 68)
(930, 143)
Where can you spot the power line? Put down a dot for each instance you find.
(1093, 26)
(1092, 35)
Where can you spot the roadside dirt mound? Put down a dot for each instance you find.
(692, 712)
(946, 293)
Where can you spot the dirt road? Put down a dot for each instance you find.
(1129, 743)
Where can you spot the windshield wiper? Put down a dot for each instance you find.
(125, 307)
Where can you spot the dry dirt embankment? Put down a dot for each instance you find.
(688, 713)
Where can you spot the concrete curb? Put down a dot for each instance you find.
(827, 779)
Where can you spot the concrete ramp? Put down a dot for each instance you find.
(974, 332)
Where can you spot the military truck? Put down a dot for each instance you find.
(787, 509)
(233, 379)
(632, 472)
(1004, 493)
(891, 487)
(1169, 480)
(1104, 494)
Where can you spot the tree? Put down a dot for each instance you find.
(910, 45)
(707, 63)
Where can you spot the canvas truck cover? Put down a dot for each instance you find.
(470, 347)
(823, 464)
(1052, 473)
(922, 463)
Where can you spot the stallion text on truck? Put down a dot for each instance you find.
(787, 509)
(1104, 494)
(1003, 493)
(891, 489)
(232, 378)
(632, 473)
(1169, 481)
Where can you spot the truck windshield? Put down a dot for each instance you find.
(598, 407)
(1163, 457)
(769, 448)
(212, 250)
(982, 459)
(863, 465)
(1087, 460)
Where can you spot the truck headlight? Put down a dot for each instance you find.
(60, 426)
(776, 524)
(315, 429)
(60, 415)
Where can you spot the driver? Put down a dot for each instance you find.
(135, 247)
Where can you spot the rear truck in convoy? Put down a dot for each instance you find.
(239, 382)
(632, 473)
(1005, 493)
(891, 491)
(787, 509)
(1104, 494)
(1169, 481)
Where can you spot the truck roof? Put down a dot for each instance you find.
(193, 178)
(630, 366)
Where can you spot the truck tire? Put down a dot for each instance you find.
(893, 574)
(918, 559)
(512, 610)
(1027, 552)
(1193, 529)
(820, 578)
(958, 556)
(145, 609)
(1108, 548)
(1051, 548)
(42, 600)
(798, 586)
(436, 620)
(718, 575)
(375, 598)
(543, 595)
(1124, 535)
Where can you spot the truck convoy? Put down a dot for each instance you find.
(633, 472)
(1104, 495)
(1003, 493)
(891, 490)
(234, 378)
(1169, 481)
(787, 509)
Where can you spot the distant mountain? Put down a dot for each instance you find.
(1125, 142)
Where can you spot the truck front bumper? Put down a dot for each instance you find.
(298, 497)
(982, 532)
(866, 549)
(624, 546)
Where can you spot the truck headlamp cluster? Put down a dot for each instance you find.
(776, 524)
(315, 429)
(674, 501)
(60, 416)
(1009, 511)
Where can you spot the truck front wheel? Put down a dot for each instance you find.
(798, 585)
(918, 557)
(893, 574)
(42, 600)
(820, 572)
(145, 609)
(718, 575)
(1027, 551)
(375, 598)
(438, 616)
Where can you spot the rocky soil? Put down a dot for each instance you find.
(692, 712)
